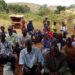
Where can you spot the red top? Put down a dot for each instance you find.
(22, 26)
(50, 32)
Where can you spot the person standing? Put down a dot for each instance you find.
(63, 27)
(45, 22)
(23, 25)
(53, 28)
(3, 29)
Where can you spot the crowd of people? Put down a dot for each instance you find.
(56, 57)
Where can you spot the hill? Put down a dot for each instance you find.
(34, 7)
(52, 7)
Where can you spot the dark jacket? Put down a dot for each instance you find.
(30, 27)
(60, 61)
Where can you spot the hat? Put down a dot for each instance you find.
(10, 28)
(30, 20)
(46, 17)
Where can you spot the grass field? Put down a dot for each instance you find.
(37, 21)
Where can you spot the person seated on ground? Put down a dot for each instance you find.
(13, 39)
(18, 35)
(23, 25)
(55, 62)
(46, 43)
(60, 42)
(63, 27)
(6, 52)
(64, 36)
(14, 31)
(72, 36)
(23, 38)
(69, 50)
(73, 40)
(39, 35)
(30, 59)
(50, 33)
(54, 38)
(53, 28)
(30, 29)
(3, 29)
(73, 43)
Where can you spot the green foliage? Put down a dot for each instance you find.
(71, 7)
(43, 11)
(3, 5)
(13, 8)
(18, 8)
(59, 9)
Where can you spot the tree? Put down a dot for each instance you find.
(43, 12)
(71, 7)
(59, 9)
(3, 5)
(45, 5)
(18, 8)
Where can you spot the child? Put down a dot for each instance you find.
(39, 35)
(23, 25)
(46, 44)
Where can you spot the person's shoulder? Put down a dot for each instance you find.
(52, 26)
(23, 50)
(64, 47)
(28, 36)
(54, 41)
(21, 35)
(35, 49)
(63, 41)
(7, 34)
(14, 34)
(8, 42)
(73, 47)
(47, 54)
(62, 55)
(28, 24)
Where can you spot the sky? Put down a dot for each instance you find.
(48, 2)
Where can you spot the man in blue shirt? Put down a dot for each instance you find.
(30, 28)
(30, 31)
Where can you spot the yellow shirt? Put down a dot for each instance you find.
(52, 28)
(69, 51)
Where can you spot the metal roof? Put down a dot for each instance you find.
(17, 16)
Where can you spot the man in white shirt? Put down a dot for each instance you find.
(63, 27)
(30, 59)
(60, 42)
(23, 38)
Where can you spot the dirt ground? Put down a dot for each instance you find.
(18, 67)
